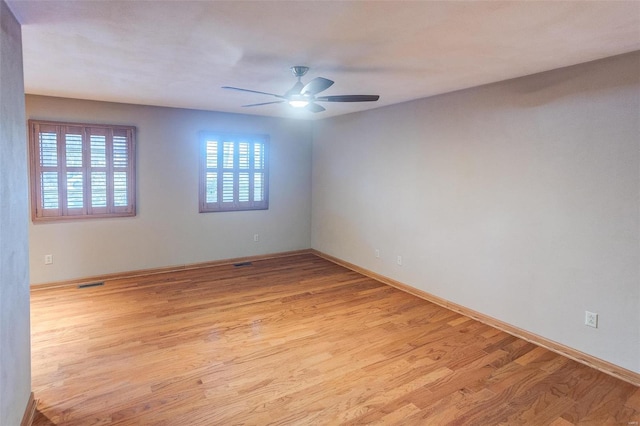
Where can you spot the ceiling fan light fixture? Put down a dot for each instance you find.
(298, 103)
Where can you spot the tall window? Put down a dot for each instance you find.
(81, 171)
(234, 172)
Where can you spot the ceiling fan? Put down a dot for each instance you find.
(304, 95)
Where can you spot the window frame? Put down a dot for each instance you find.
(63, 212)
(236, 205)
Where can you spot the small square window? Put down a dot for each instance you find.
(234, 172)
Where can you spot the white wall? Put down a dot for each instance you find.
(15, 349)
(519, 200)
(168, 229)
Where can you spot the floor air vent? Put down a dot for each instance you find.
(90, 285)
(241, 264)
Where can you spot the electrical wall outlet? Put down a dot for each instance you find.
(591, 319)
(399, 260)
(48, 259)
(256, 237)
(377, 252)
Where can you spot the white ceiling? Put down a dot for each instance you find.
(179, 53)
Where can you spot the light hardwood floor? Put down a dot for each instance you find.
(295, 340)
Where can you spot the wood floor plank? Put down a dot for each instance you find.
(294, 340)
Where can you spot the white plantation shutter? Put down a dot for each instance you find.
(259, 175)
(48, 192)
(81, 171)
(121, 180)
(73, 197)
(233, 172)
(98, 172)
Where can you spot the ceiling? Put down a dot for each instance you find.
(180, 53)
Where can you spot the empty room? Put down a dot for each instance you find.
(319, 212)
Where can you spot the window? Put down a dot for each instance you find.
(81, 171)
(234, 172)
